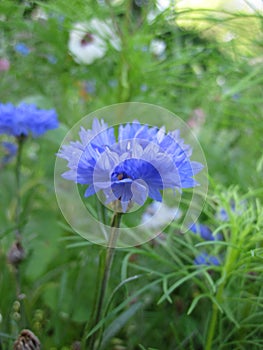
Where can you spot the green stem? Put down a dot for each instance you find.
(124, 90)
(231, 257)
(213, 321)
(20, 141)
(95, 339)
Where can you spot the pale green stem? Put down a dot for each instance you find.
(231, 257)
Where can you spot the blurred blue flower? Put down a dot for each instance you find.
(237, 209)
(222, 215)
(113, 83)
(236, 97)
(26, 119)
(205, 259)
(10, 150)
(144, 87)
(140, 163)
(51, 59)
(205, 232)
(90, 86)
(22, 48)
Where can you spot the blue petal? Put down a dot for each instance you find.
(90, 191)
(139, 192)
(205, 259)
(155, 194)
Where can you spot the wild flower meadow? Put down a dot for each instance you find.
(131, 175)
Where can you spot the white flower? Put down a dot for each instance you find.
(39, 14)
(158, 214)
(161, 6)
(157, 47)
(88, 41)
(246, 6)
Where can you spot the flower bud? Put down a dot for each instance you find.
(27, 340)
(16, 254)
(76, 346)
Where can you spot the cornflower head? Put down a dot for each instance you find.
(26, 119)
(140, 162)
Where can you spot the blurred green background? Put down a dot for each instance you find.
(206, 67)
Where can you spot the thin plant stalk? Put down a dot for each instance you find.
(95, 339)
(231, 257)
(20, 141)
(18, 237)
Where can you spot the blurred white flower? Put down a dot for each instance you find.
(88, 41)
(246, 6)
(39, 14)
(161, 6)
(159, 214)
(229, 36)
(256, 60)
(197, 120)
(220, 80)
(157, 47)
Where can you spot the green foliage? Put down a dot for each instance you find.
(157, 294)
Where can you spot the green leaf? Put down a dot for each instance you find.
(178, 284)
(119, 322)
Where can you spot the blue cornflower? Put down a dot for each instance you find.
(22, 48)
(205, 259)
(26, 119)
(205, 232)
(139, 163)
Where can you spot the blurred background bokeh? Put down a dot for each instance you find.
(203, 61)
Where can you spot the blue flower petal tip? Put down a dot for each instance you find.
(206, 259)
(205, 232)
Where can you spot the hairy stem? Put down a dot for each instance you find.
(18, 243)
(94, 341)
